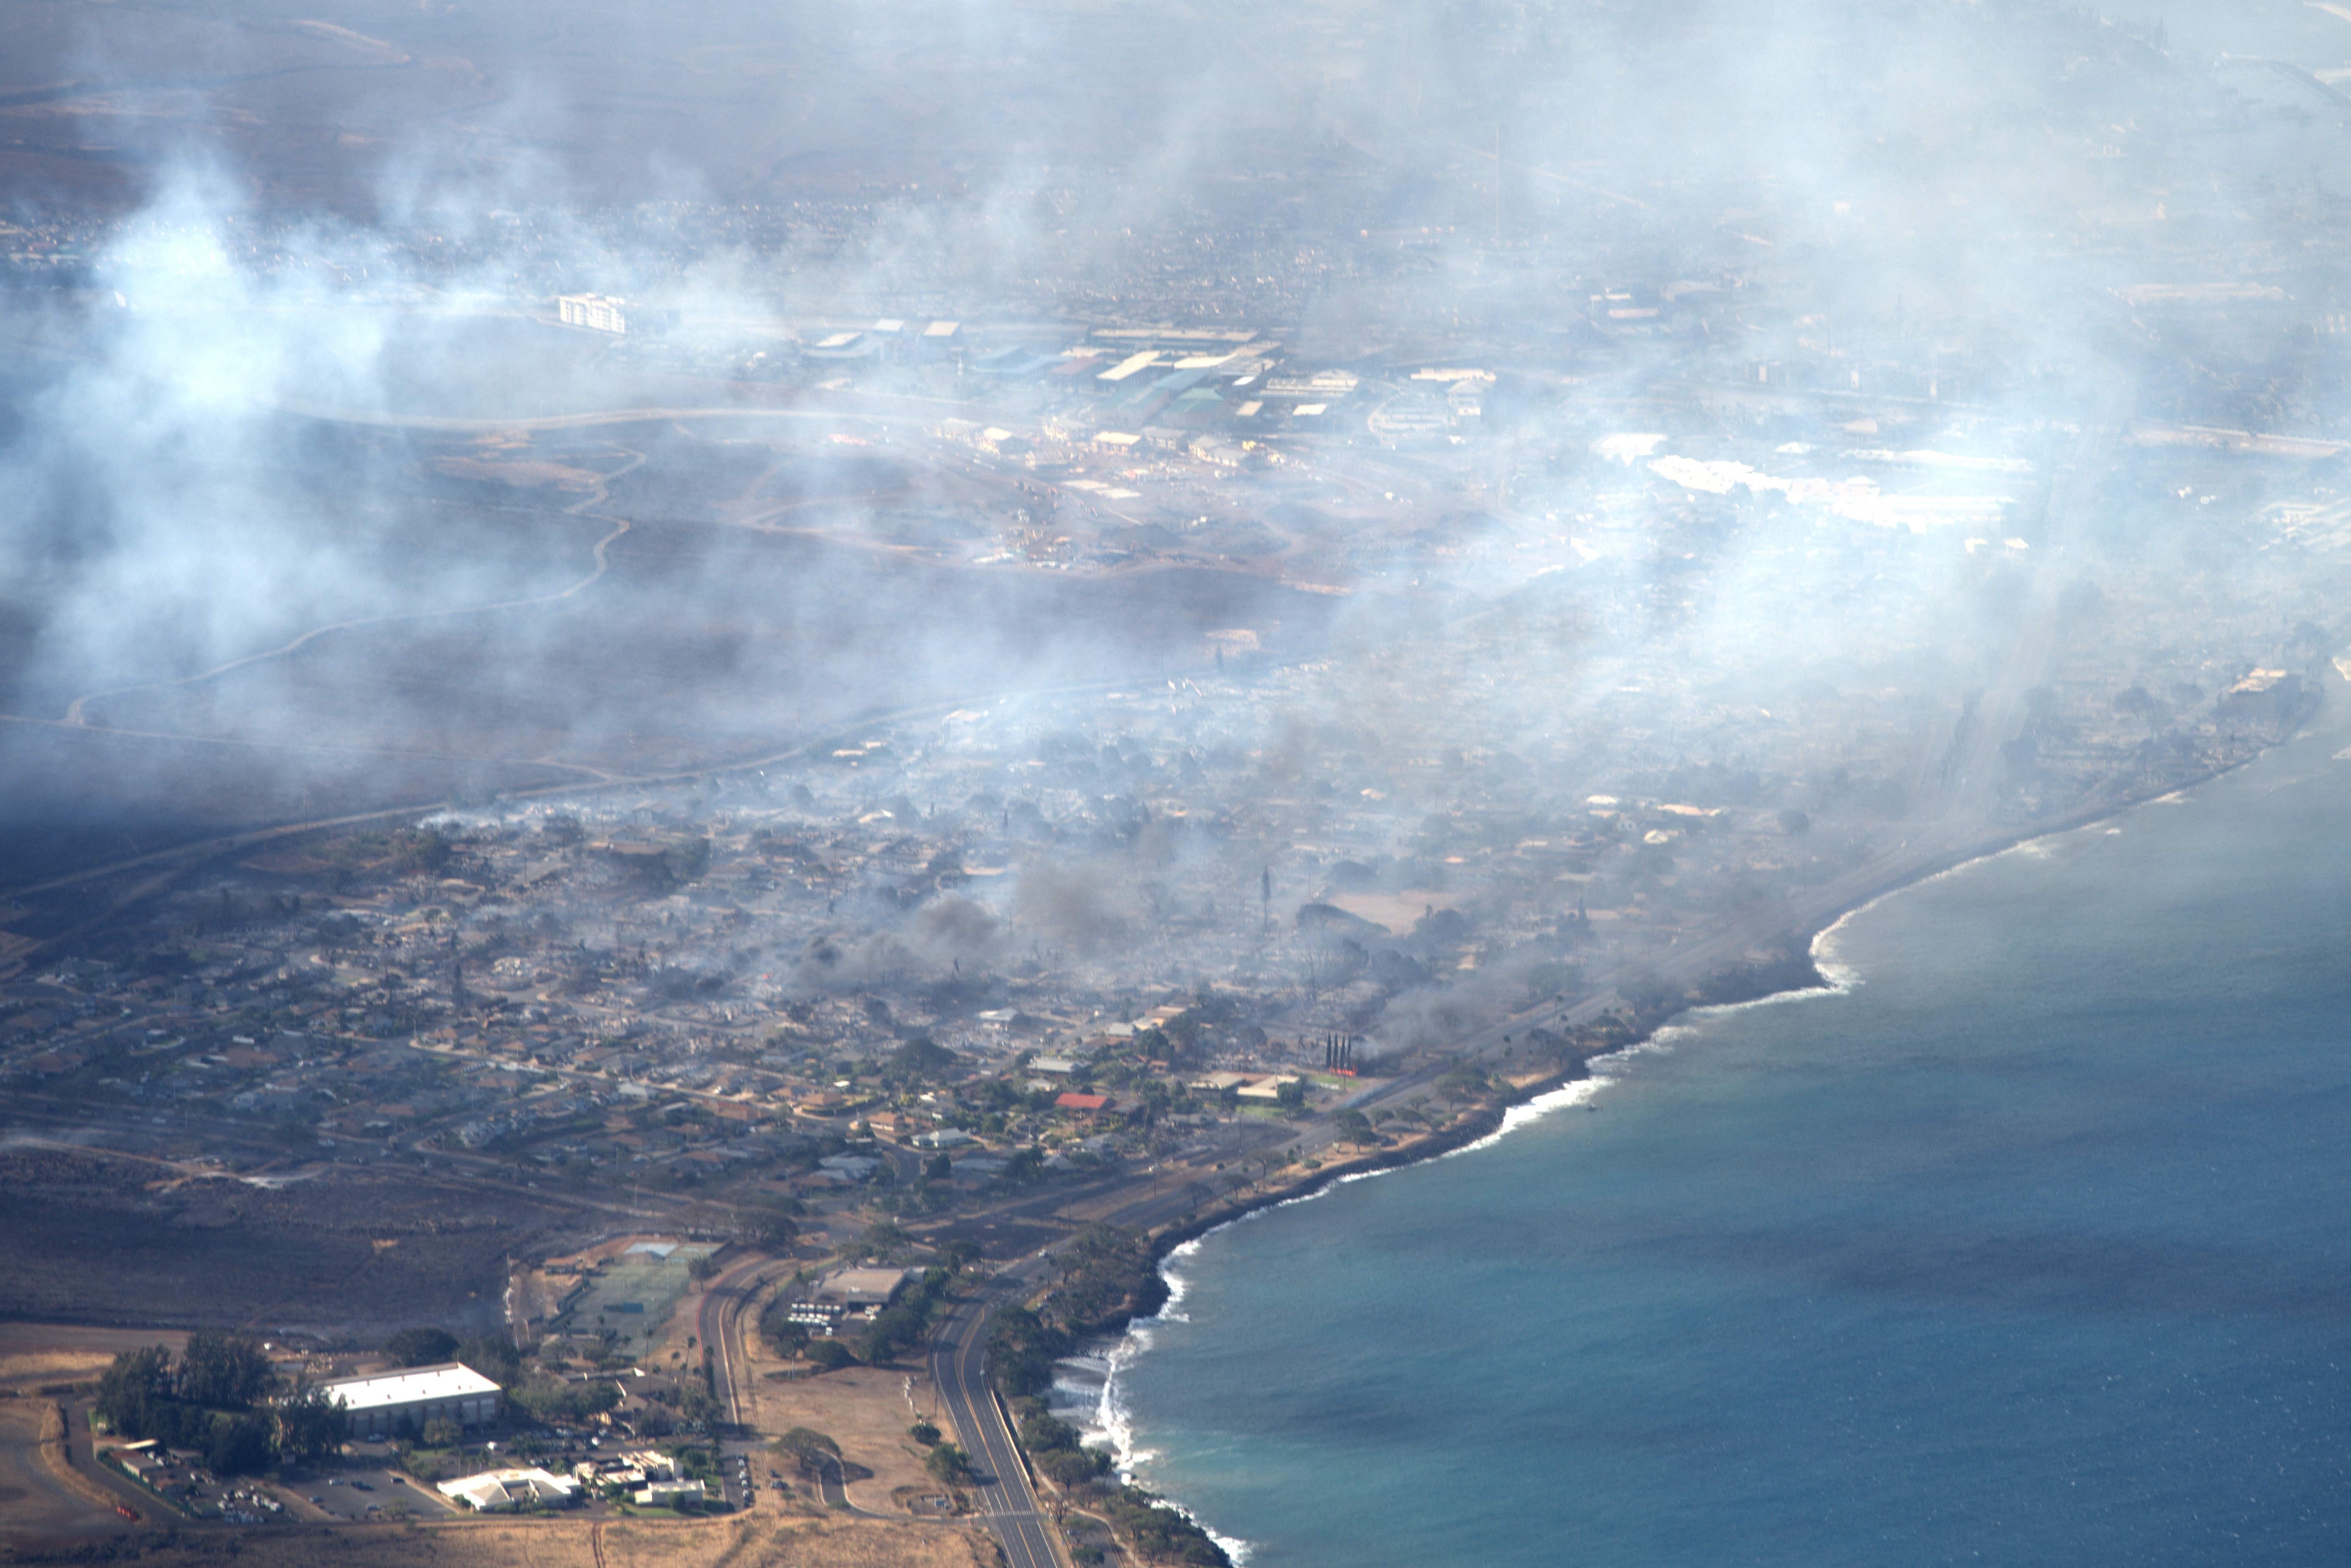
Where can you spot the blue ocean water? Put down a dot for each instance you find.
(2030, 1247)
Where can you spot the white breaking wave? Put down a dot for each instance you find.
(1827, 952)
(1535, 1110)
(1114, 1418)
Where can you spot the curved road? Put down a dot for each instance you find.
(719, 1325)
(958, 1356)
(830, 1486)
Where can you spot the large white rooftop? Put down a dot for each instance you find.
(415, 1385)
(494, 1491)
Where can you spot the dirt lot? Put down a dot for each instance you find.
(745, 1541)
(343, 1252)
(862, 1408)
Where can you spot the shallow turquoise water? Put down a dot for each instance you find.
(2033, 1248)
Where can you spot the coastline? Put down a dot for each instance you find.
(1574, 1082)
(1478, 1126)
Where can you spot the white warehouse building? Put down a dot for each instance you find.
(402, 1402)
(601, 311)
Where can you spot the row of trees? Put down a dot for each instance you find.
(492, 1355)
(221, 1398)
(1058, 1449)
(1022, 1349)
(1109, 1275)
(1099, 1291)
(1159, 1533)
(907, 1321)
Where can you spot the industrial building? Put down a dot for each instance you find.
(393, 1403)
(847, 1292)
(599, 311)
(501, 1491)
(873, 1287)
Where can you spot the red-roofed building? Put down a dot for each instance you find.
(1076, 1102)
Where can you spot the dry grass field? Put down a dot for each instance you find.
(745, 1541)
(35, 1355)
(862, 1408)
(23, 1371)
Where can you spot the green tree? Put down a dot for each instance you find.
(423, 1346)
(1042, 1433)
(134, 1390)
(919, 1060)
(938, 1167)
(1291, 1096)
(828, 1354)
(493, 1357)
(441, 1432)
(808, 1447)
(1183, 1032)
(1462, 1082)
(224, 1371)
(309, 1427)
(786, 1335)
(897, 1329)
(884, 1240)
(1070, 1467)
(238, 1444)
(550, 1398)
(949, 1464)
(1160, 1533)
(1022, 1348)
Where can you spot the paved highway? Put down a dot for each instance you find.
(719, 1325)
(958, 1356)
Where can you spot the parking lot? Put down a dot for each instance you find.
(373, 1492)
(182, 1478)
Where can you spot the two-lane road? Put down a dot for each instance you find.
(957, 1366)
(957, 1354)
(720, 1323)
